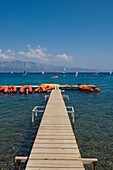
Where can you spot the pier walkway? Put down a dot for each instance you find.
(55, 145)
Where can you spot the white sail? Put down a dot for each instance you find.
(76, 73)
(110, 72)
(42, 72)
(64, 69)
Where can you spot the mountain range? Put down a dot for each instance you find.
(18, 66)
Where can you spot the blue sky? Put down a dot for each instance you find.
(74, 33)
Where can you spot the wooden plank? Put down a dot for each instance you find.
(56, 122)
(55, 137)
(55, 151)
(55, 145)
(57, 125)
(56, 133)
(54, 156)
(55, 163)
(55, 130)
(64, 128)
(59, 115)
(55, 141)
(56, 117)
(46, 168)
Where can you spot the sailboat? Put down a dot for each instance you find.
(96, 74)
(76, 73)
(25, 73)
(11, 72)
(42, 72)
(110, 72)
(54, 77)
(64, 72)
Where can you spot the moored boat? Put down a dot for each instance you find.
(43, 88)
(1, 88)
(88, 88)
(54, 77)
(47, 87)
(37, 90)
(50, 85)
(10, 89)
(26, 89)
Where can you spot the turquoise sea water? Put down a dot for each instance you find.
(93, 117)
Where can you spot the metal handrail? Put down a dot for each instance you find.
(36, 110)
(71, 111)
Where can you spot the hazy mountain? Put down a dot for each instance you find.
(35, 67)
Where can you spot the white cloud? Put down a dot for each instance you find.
(64, 57)
(38, 53)
(9, 54)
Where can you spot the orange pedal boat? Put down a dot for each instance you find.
(1, 88)
(26, 89)
(43, 89)
(88, 88)
(10, 89)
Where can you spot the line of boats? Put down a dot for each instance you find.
(25, 89)
(42, 88)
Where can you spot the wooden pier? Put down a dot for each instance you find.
(55, 146)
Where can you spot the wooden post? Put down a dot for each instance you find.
(20, 159)
(94, 165)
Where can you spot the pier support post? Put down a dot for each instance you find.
(94, 165)
(20, 159)
(18, 164)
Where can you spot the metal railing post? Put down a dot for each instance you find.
(33, 117)
(35, 112)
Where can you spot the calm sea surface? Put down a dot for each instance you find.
(93, 117)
